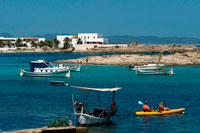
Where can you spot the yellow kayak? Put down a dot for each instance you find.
(181, 110)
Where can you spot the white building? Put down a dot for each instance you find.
(26, 41)
(83, 40)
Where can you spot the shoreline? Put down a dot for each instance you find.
(141, 48)
(177, 59)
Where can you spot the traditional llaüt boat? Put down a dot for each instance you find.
(154, 69)
(98, 115)
(44, 68)
(75, 68)
(181, 110)
(147, 66)
(160, 71)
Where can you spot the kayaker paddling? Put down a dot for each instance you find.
(146, 107)
(162, 108)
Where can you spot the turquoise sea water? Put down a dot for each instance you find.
(27, 102)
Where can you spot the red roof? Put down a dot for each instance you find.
(30, 38)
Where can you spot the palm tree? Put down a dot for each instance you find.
(18, 42)
(67, 43)
(55, 42)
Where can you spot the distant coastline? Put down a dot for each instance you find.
(181, 55)
(141, 48)
(36, 50)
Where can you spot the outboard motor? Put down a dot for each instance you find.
(78, 105)
(131, 66)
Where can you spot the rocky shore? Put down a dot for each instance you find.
(180, 59)
(141, 48)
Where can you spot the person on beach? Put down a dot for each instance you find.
(146, 107)
(86, 60)
(162, 108)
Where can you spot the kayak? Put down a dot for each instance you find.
(181, 110)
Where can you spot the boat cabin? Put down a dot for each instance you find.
(38, 64)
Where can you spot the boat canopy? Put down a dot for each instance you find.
(98, 89)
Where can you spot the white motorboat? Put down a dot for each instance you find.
(44, 68)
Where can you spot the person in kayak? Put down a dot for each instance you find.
(162, 108)
(146, 107)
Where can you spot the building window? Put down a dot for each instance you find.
(94, 37)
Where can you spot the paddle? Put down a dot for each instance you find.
(140, 102)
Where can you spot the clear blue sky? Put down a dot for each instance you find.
(110, 17)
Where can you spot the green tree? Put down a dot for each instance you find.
(18, 42)
(8, 43)
(48, 43)
(79, 41)
(1, 43)
(55, 42)
(33, 44)
(41, 44)
(67, 43)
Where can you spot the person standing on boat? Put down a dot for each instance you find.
(162, 108)
(146, 107)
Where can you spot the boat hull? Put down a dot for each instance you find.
(171, 111)
(154, 72)
(43, 74)
(86, 119)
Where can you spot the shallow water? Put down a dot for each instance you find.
(27, 102)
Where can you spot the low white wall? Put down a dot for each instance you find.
(89, 46)
(6, 49)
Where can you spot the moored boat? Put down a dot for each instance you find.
(98, 115)
(148, 66)
(158, 71)
(171, 111)
(61, 83)
(44, 68)
(75, 68)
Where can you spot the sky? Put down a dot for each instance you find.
(110, 17)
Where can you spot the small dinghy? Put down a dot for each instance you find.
(61, 83)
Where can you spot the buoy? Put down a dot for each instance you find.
(68, 75)
(21, 73)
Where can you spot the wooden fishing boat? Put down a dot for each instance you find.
(159, 71)
(98, 115)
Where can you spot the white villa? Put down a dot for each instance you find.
(26, 41)
(84, 41)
